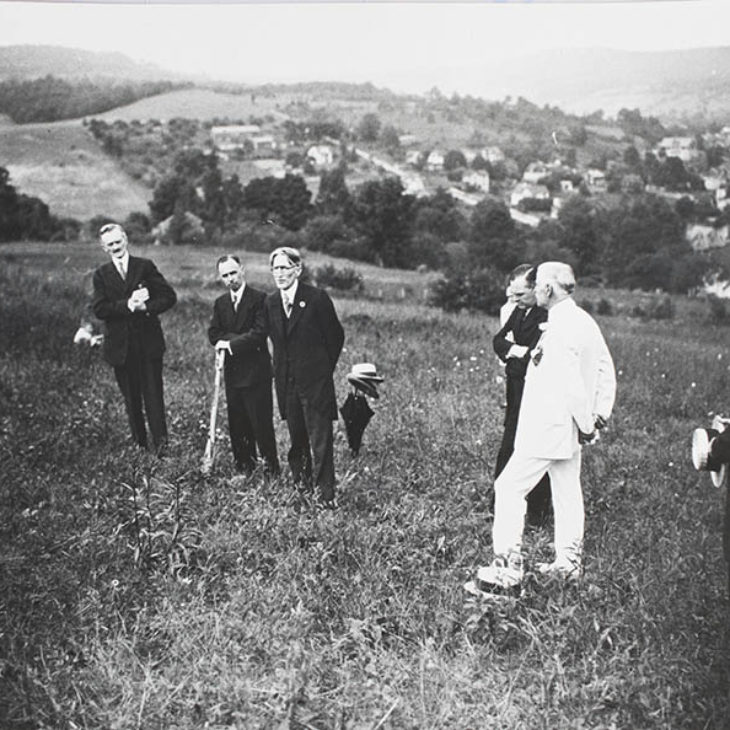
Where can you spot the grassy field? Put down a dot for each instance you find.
(63, 165)
(137, 594)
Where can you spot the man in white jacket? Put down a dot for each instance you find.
(570, 387)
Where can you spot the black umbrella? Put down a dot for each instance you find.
(356, 413)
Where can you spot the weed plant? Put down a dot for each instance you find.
(138, 594)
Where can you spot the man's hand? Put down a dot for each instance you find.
(137, 302)
(587, 438)
(224, 345)
(600, 422)
(518, 351)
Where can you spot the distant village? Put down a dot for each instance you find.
(538, 193)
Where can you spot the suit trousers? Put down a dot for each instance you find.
(140, 381)
(538, 500)
(311, 456)
(250, 424)
(515, 482)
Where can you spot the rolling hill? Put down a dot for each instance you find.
(29, 62)
(63, 165)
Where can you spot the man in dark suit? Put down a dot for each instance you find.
(238, 328)
(129, 294)
(513, 344)
(307, 337)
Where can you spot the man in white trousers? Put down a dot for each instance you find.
(570, 387)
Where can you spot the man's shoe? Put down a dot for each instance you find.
(563, 569)
(501, 579)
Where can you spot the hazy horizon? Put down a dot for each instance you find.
(406, 47)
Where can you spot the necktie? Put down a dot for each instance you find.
(122, 270)
(288, 305)
(236, 302)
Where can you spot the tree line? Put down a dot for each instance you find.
(49, 99)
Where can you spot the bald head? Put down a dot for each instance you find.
(554, 282)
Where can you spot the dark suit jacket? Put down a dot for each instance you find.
(306, 346)
(246, 331)
(525, 331)
(109, 303)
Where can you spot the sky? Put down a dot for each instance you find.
(406, 46)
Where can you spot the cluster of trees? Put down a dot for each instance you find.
(49, 99)
(23, 217)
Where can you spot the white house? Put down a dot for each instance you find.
(493, 155)
(435, 160)
(478, 179)
(524, 190)
(413, 184)
(685, 148)
(596, 180)
(406, 140)
(535, 172)
(321, 155)
(413, 157)
(702, 237)
(233, 136)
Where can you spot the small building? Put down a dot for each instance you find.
(478, 179)
(435, 161)
(535, 172)
(493, 155)
(321, 155)
(566, 186)
(413, 157)
(685, 148)
(407, 140)
(413, 184)
(524, 190)
(233, 136)
(596, 180)
(264, 145)
(703, 237)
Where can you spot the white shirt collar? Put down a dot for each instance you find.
(290, 293)
(122, 261)
(236, 295)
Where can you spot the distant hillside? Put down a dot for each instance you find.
(666, 84)
(195, 104)
(29, 62)
(63, 165)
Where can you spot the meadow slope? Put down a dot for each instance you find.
(64, 166)
(138, 594)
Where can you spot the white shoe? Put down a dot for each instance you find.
(565, 569)
(501, 579)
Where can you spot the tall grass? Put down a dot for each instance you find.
(137, 594)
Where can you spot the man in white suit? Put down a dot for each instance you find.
(570, 387)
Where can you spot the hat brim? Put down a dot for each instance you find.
(719, 477)
(363, 385)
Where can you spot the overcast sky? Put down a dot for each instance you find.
(406, 46)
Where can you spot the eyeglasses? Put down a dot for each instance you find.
(283, 268)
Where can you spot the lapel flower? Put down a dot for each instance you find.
(302, 304)
(542, 326)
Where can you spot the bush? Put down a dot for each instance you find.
(481, 290)
(587, 305)
(718, 310)
(657, 308)
(604, 306)
(345, 279)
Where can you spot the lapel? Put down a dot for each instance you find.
(300, 304)
(114, 281)
(134, 274)
(240, 314)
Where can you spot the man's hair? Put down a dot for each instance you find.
(295, 258)
(560, 274)
(109, 227)
(526, 270)
(227, 257)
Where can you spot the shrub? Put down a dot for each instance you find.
(657, 308)
(481, 290)
(345, 279)
(587, 304)
(604, 306)
(718, 310)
